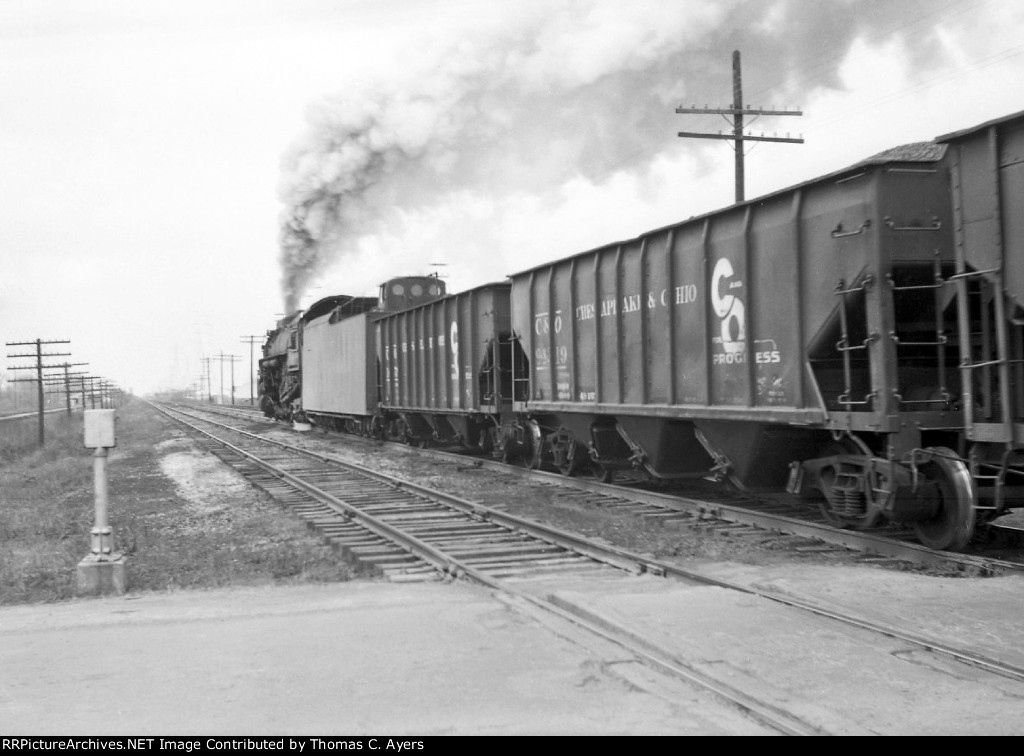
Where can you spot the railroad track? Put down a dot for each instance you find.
(27, 415)
(408, 532)
(792, 523)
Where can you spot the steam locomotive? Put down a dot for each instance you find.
(857, 338)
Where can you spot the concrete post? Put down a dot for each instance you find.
(103, 570)
(102, 538)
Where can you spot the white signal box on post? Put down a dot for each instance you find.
(103, 570)
(99, 429)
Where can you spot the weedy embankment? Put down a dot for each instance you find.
(181, 518)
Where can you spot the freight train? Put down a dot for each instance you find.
(857, 339)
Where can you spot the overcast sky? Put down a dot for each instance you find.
(170, 173)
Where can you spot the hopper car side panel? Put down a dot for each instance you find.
(987, 165)
(444, 365)
(709, 318)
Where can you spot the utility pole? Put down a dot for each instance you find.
(106, 394)
(94, 391)
(737, 111)
(252, 340)
(232, 358)
(82, 388)
(66, 382)
(209, 388)
(39, 367)
(81, 378)
(67, 387)
(89, 389)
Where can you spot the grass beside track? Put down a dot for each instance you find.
(47, 506)
(21, 437)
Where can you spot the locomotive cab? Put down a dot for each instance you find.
(402, 293)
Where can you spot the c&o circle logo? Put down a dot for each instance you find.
(729, 308)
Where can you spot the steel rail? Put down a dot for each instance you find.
(25, 415)
(767, 714)
(617, 558)
(856, 540)
(893, 548)
(418, 548)
(640, 564)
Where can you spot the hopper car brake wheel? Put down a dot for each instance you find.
(952, 528)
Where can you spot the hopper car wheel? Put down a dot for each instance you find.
(953, 527)
(846, 445)
(531, 455)
(400, 432)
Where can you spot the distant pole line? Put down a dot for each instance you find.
(66, 382)
(39, 367)
(229, 358)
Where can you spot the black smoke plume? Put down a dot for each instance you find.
(558, 90)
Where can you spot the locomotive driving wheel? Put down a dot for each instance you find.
(846, 505)
(953, 527)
